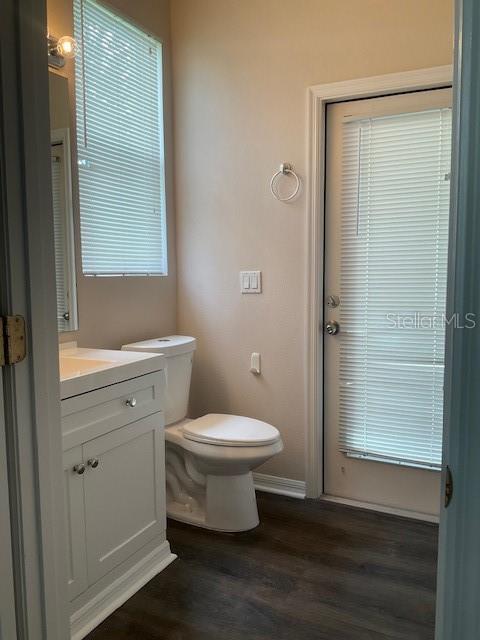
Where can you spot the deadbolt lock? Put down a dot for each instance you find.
(333, 301)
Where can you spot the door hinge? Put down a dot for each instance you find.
(12, 340)
(448, 486)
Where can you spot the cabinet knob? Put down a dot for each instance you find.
(93, 462)
(131, 402)
(79, 468)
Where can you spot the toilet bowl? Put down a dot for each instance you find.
(209, 461)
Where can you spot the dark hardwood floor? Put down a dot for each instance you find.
(310, 571)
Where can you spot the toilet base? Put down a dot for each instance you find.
(211, 486)
(224, 503)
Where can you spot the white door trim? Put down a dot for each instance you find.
(318, 97)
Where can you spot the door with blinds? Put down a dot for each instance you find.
(386, 237)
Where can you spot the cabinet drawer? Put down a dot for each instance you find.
(92, 414)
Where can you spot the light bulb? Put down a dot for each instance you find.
(67, 46)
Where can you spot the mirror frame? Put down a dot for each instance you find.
(62, 136)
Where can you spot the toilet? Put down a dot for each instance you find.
(209, 461)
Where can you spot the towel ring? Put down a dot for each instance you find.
(284, 170)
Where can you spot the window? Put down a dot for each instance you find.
(120, 145)
(394, 231)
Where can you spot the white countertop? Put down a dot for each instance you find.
(83, 370)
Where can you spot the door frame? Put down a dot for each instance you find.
(318, 97)
(27, 287)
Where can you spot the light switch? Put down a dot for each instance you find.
(251, 281)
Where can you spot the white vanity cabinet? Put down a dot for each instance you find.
(114, 475)
(114, 492)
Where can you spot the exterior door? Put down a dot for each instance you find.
(387, 216)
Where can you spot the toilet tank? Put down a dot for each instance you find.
(178, 351)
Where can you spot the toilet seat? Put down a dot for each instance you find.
(230, 431)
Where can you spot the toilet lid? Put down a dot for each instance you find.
(231, 431)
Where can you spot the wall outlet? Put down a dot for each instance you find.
(251, 281)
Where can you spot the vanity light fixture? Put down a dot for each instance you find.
(60, 49)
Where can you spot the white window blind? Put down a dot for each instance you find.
(118, 76)
(395, 213)
(59, 226)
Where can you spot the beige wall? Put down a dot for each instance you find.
(113, 311)
(241, 69)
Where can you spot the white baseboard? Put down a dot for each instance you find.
(119, 591)
(404, 513)
(280, 486)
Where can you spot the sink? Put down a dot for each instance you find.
(70, 366)
(83, 370)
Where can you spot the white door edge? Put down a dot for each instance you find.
(27, 287)
(7, 597)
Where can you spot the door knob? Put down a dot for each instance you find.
(131, 402)
(79, 468)
(332, 327)
(93, 462)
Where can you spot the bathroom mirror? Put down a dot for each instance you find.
(61, 159)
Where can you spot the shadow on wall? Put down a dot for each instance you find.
(209, 389)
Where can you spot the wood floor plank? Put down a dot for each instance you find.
(312, 570)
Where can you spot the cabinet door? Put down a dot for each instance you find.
(74, 523)
(124, 493)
